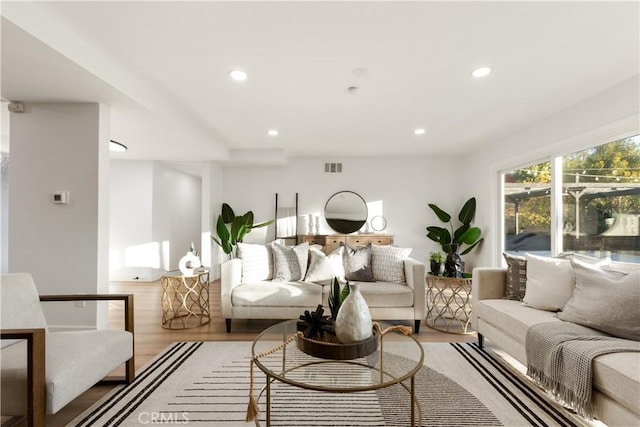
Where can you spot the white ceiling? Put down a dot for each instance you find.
(163, 69)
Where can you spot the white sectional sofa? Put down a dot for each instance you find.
(616, 376)
(271, 299)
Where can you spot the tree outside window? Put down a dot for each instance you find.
(600, 203)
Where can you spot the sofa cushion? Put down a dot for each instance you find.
(75, 361)
(617, 375)
(277, 294)
(608, 301)
(516, 277)
(512, 317)
(549, 282)
(21, 306)
(387, 263)
(385, 294)
(357, 263)
(257, 262)
(289, 263)
(323, 268)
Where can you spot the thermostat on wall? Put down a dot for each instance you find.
(61, 197)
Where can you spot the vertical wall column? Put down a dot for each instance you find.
(211, 205)
(61, 149)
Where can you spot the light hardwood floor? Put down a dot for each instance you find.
(151, 338)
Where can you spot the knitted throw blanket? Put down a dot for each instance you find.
(560, 360)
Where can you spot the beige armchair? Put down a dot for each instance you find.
(59, 366)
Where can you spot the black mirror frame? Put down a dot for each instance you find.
(332, 223)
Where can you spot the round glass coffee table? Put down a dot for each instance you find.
(380, 369)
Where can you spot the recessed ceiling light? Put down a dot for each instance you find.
(360, 72)
(419, 131)
(481, 72)
(116, 146)
(273, 132)
(238, 75)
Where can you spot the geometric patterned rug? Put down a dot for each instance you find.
(206, 384)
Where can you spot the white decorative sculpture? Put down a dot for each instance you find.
(189, 264)
(310, 223)
(353, 323)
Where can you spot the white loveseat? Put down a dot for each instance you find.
(504, 322)
(268, 299)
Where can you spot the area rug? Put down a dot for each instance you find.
(206, 384)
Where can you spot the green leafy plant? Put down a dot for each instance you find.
(436, 256)
(464, 234)
(232, 229)
(337, 296)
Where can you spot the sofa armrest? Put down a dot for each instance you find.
(230, 277)
(415, 271)
(486, 283)
(130, 368)
(36, 394)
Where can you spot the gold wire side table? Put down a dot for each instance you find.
(449, 304)
(185, 300)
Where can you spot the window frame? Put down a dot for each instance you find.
(555, 156)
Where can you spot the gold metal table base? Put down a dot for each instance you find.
(449, 304)
(292, 367)
(185, 300)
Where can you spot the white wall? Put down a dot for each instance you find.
(177, 210)
(400, 186)
(4, 189)
(211, 254)
(605, 117)
(60, 147)
(132, 251)
(155, 215)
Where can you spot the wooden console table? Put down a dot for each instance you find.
(449, 304)
(332, 242)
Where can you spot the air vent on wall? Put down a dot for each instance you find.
(333, 167)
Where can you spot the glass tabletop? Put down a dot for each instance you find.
(178, 273)
(397, 358)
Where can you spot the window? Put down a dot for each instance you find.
(600, 203)
(527, 209)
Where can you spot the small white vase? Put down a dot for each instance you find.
(353, 323)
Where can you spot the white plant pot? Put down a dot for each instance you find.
(353, 323)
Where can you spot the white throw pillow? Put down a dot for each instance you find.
(257, 262)
(289, 263)
(387, 263)
(550, 282)
(323, 268)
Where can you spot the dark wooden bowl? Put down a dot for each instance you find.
(330, 348)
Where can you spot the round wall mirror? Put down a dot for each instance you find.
(346, 212)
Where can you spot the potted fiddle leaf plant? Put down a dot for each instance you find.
(452, 240)
(231, 229)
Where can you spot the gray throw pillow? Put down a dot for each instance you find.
(357, 263)
(289, 263)
(516, 277)
(608, 301)
(387, 263)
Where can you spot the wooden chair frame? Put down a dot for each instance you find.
(36, 351)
